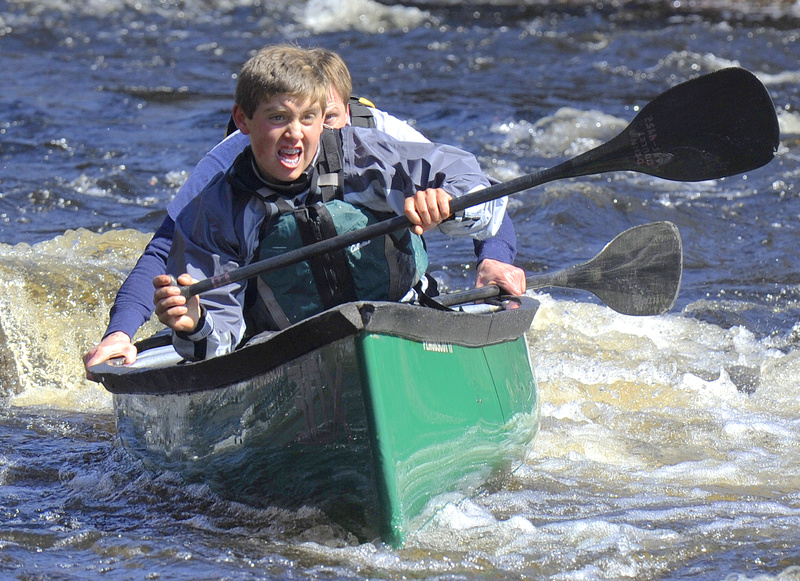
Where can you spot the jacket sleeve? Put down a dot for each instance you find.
(502, 246)
(133, 304)
(207, 243)
(380, 172)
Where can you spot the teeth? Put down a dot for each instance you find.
(290, 156)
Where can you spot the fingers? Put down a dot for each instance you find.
(167, 289)
(515, 282)
(166, 294)
(507, 276)
(115, 345)
(171, 307)
(427, 209)
(410, 212)
(167, 280)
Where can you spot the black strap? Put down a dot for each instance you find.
(330, 159)
(231, 127)
(360, 113)
(426, 299)
(327, 180)
(331, 271)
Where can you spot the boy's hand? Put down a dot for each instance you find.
(427, 209)
(172, 308)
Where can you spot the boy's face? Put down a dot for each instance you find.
(284, 134)
(337, 112)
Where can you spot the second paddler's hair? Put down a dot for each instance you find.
(281, 69)
(336, 70)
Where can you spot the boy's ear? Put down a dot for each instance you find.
(240, 119)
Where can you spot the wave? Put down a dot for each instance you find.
(368, 16)
(567, 132)
(54, 303)
(178, 9)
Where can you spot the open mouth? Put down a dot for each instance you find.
(290, 156)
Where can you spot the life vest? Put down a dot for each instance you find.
(360, 115)
(384, 268)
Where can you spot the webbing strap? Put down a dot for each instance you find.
(327, 178)
(360, 113)
(331, 271)
(279, 318)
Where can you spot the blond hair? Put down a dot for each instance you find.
(334, 67)
(281, 69)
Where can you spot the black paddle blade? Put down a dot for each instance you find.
(713, 126)
(637, 273)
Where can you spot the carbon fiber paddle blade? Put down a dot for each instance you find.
(713, 126)
(637, 273)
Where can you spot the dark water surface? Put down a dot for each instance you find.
(669, 445)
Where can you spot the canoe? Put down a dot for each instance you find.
(375, 413)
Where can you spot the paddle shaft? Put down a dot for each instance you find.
(534, 281)
(709, 127)
(376, 230)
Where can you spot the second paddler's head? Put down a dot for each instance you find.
(337, 109)
(281, 96)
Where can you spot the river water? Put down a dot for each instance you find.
(669, 445)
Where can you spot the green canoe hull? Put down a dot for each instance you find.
(371, 412)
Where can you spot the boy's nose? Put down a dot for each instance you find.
(294, 130)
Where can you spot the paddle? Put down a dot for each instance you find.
(713, 126)
(637, 273)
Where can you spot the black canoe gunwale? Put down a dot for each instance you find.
(268, 352)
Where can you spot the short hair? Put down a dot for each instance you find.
(280, 69)
(334, 67)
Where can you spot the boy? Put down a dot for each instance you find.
(133, 304)
(280, 104)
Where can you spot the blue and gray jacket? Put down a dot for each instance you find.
(222, 228)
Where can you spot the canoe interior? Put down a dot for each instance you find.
(378, 409)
